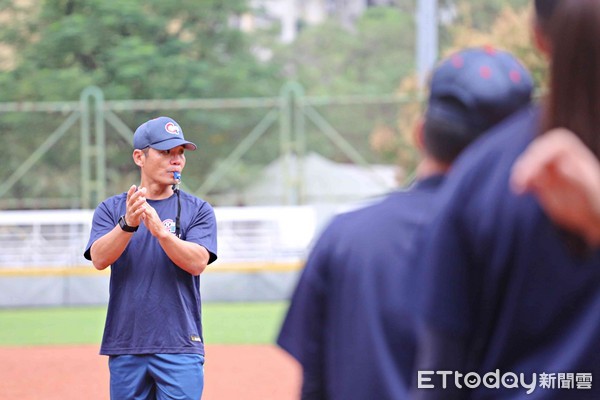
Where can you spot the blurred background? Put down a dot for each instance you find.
(301, 110)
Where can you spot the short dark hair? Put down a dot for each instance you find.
(444, 138)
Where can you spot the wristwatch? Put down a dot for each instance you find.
(126, 227)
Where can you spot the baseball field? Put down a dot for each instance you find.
(52, 353)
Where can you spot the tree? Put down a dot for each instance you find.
(156, 49)
(134, 49)
(372, 58)
(478, 15)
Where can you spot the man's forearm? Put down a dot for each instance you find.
(190, 257)
(109, 247)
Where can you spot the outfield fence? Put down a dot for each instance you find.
(261, 250)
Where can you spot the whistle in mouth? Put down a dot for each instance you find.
(177, 176)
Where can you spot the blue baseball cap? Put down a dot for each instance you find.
(162, 133)
(475, 88)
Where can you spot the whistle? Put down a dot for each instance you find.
(177, 177)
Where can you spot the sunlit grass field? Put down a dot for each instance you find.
(224, 323)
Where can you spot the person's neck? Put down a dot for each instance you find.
(155, 191)
(429, 167)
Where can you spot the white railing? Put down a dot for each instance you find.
(43, 238)
(58, 238)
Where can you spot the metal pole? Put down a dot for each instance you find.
(86, 174)
(285, 142)
(97, 149)
(300, 134)
(293, 141)
(427, 38)
(100, 144)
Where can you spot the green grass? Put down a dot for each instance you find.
(242, 323)
(224, 323)
(44, 326)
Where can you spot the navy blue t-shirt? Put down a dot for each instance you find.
(498, 276)
(154, 306)
(346, 323)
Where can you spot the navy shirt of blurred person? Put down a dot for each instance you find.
(500, 287)
(347, 323)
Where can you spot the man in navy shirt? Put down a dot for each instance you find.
(509, 303)
(347, 324)
(156, 240)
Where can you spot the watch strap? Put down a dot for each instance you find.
(125, 227)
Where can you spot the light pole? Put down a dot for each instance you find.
(427, 38)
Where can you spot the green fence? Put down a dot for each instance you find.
(73, 154)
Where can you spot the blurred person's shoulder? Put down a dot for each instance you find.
(403, 207)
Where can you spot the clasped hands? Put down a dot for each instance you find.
(139, 211)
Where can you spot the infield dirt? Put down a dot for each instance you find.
(232, 372)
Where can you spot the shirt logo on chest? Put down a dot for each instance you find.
(169, 225)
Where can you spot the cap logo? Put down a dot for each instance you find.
(515, 76)
(486, 72)
(457, 61)
(172, 128)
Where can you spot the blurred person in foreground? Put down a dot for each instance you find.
(346, 323)
(508, 301)
(564, 175)
(157, 240)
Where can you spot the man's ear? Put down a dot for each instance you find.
(138, 157)
(419, 134)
